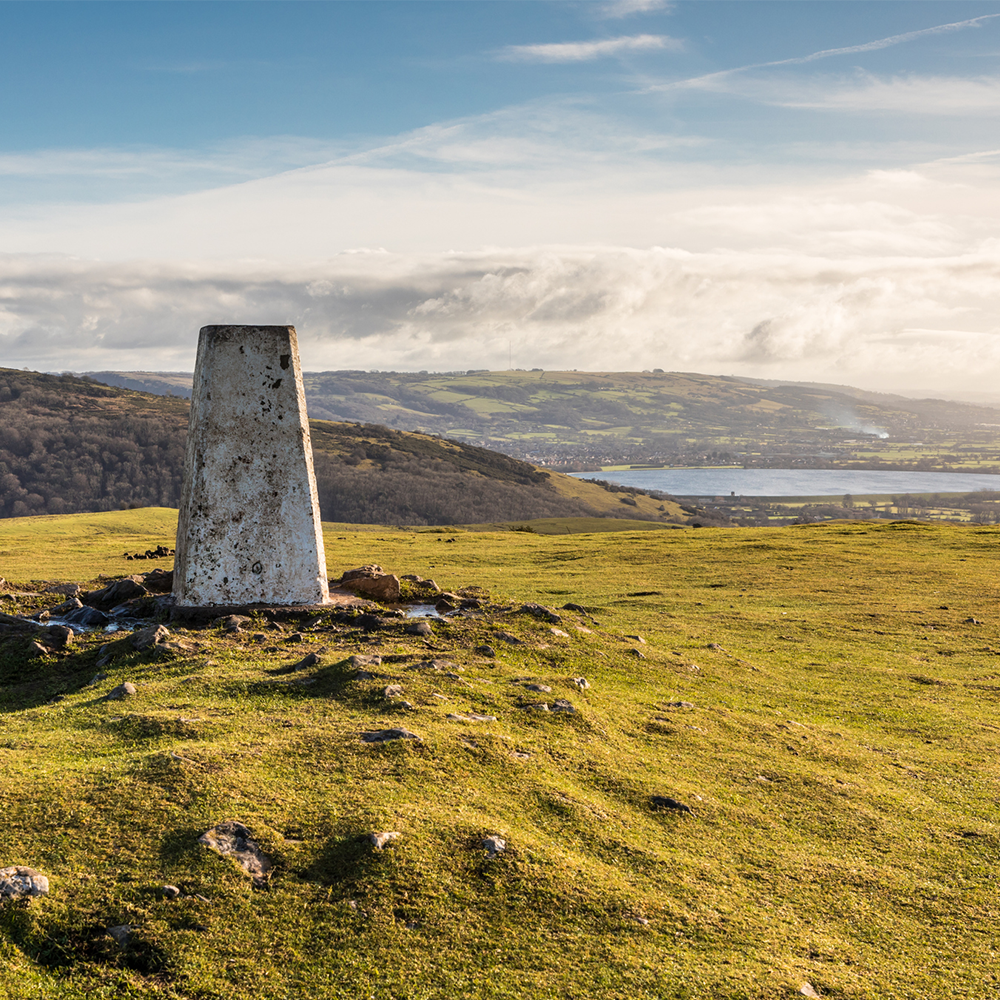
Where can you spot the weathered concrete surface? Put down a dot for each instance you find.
(249, 529)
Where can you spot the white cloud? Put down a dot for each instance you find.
(912, 94)
(720, 80)
(563, 52)
(885, 322)
(626, 8)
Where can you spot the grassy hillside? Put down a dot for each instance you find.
(68, 445)
(591, 419)
(822, 698)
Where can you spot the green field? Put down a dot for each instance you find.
(839, 750)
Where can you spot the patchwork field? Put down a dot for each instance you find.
(822, 699)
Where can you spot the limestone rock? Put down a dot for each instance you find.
(559, 632)
(507, 637)
(582, 683)
(232, 839)
(120, 934)
(538, 611)
(231, 623)
(86, 616)
(458, 717)
(68, 589)
(123, 691)
(494, 845)
(359, 660)
(485, 650)
(370, 580)
(542, 688)
(160, 581)
(387, 735)
(379, 840)
(393, 691)
(21, 882)
(55, 636)
(115, 593)
(666, 802)
(562, 705)
(419, 628)
(36, 649)
(61, 610)
(171, 892)
(146, 638)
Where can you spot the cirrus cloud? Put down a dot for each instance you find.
(565, 52)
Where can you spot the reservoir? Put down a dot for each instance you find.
(795, 482)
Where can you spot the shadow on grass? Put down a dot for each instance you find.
(81, 938)
(27, 682)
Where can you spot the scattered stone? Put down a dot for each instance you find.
(393, 691)
(21, 882)
(259, 638)
(451, 674)
(364, 675)
(379, 840)
(638, 653)
(665, 802)
(309, 660)
(520, 755)
(120, 934)
(61, 610)
(494, 845)
(359, 660)
(507, 637)
(485, 650)
(159, 580)
(86, 616)
(386, 735)
(146, 638)
(679, 704)
(36, 649)
(231, 623)
(419, 628)
(714, 645)
(559, 632)
(585, 631)
(971, 621)
(69, 589)
(294, 637)
(97, 678)
(115, 593)
(542, 688)
(562, 705)
(638, 638)
(444, 606)
(458, 717)
(232, 839)
(540, 706)
(123, 691)
(370, 580)
(807, 990)
(578, 608)
(540, 612)
(582, 683)
(171, 892)
(56, 636)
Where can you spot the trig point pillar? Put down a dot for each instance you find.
(249, 528)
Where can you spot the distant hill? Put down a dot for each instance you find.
(69, 444)
(586, 420)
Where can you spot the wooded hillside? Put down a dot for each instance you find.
(71, 445)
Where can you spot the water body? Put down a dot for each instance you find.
(795, 482)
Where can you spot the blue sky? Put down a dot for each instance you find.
(792, 189)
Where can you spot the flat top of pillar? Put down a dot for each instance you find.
(241, 328)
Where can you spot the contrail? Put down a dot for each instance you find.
(881, 43)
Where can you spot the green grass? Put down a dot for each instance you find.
(841, 759)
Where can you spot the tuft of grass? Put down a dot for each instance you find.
(816, 696)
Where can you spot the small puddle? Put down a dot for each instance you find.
(421, 611)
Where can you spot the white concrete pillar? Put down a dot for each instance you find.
(249, 529)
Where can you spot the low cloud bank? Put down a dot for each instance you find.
(889, 322)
